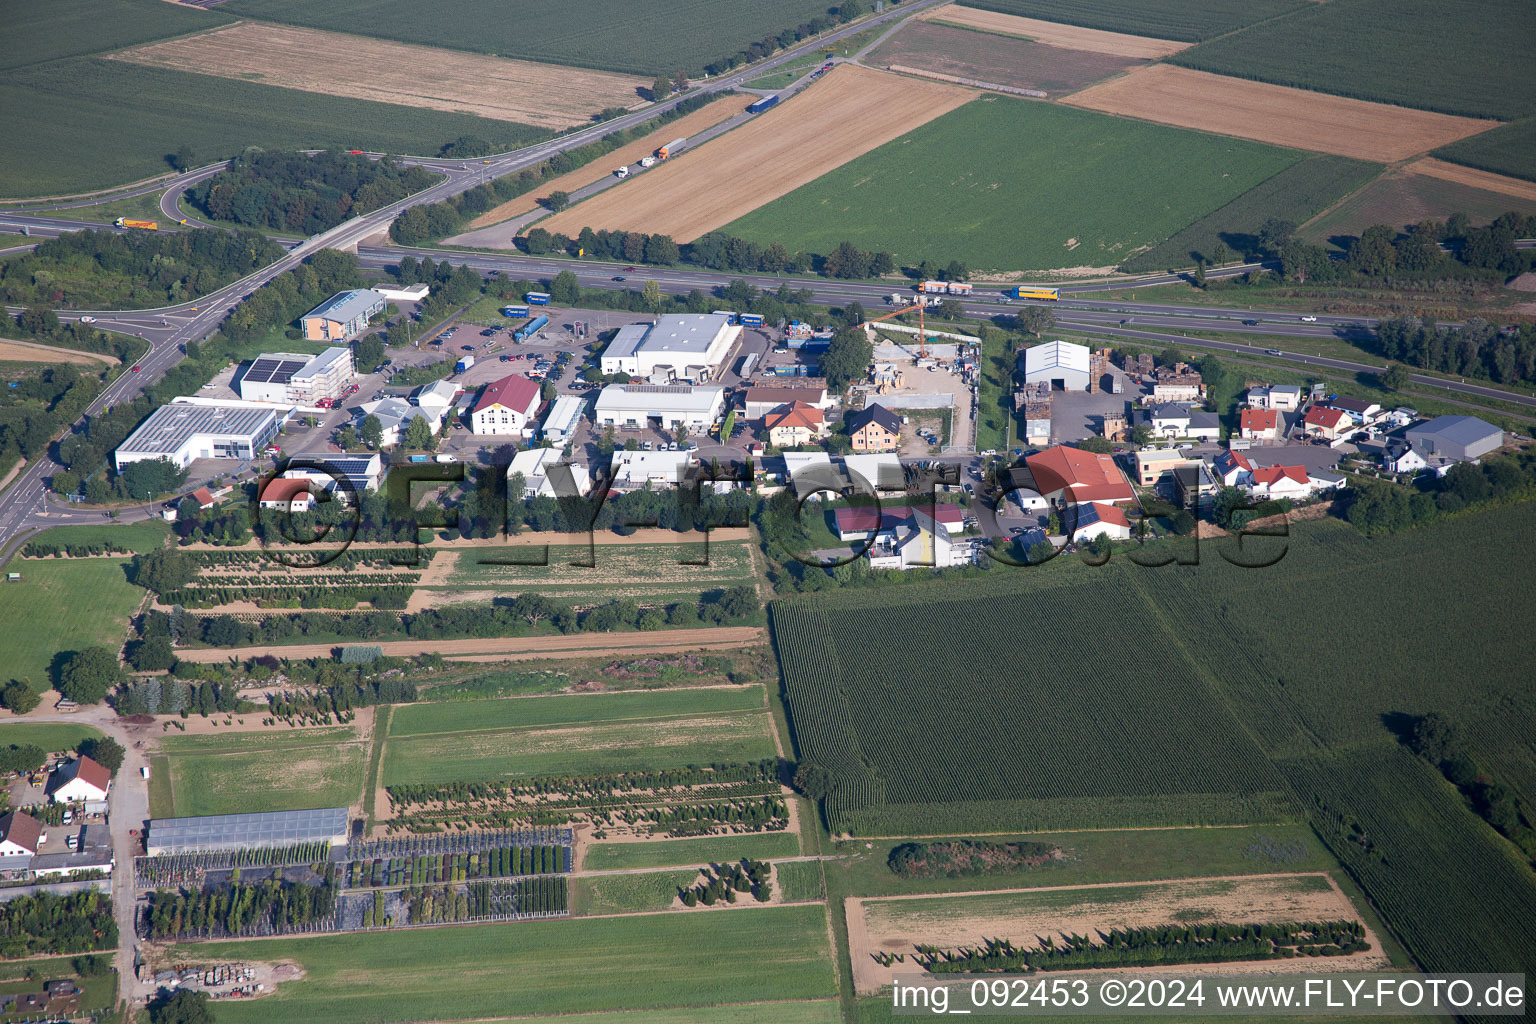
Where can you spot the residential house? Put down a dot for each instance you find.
(874, 429)
(758, 402)
(394, 416)
(1290, 482)
(795, 424)
(1193, 482)
(634, 471)
(546, 475)
(1091, 519)
(1152, 463)
(20, 836)
(1066, 475)
(1357, 409)
(1328, 423)
(287, 494)
(80, 781)
(918, 541)
(863, 522)
(1177, 420)
(1399, 457)
(1259, 424)
(506, 406)
(1280, 397)
(1232, 469)
(438, 397)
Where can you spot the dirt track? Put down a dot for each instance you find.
(849, 112)
(1430, 167)
(388, 72)
(571, 645)
(28, 352)
(1276, 114)
(1068, 37)
(683, 127)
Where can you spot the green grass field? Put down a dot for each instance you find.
(54, 737)
(639, 571)
(628, 894)
(85, 123)
(799, 881)
(1508, 149)
(1164, 19)
(1295, 194)
(705, 850)
(575, 735)
(248, 772)
(1410, 52)
(38, 33)
(1402, 199)
(62, 605)
(1016, 185)
(648, 963)
(642, 38)
(145, 536)
(570, 709)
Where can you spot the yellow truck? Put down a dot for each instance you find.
(147, 225)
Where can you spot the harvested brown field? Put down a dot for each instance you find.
(896, 924)
(683, 127)
(30, 352)
(1068, 37)
(1473, 178)
(577, 644)
(1276, 114)
(387, 72)
(1006, 60)
(848, 113)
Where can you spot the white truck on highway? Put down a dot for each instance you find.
(622, 172)
(647, 161)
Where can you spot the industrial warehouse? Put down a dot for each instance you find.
(288, 378)
(689, 346)
(185, 430)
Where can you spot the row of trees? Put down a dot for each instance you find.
(274, 905)
(723, 883)
(1475, 348)
(1377, 506)
(769, 45)
(302, 193)
(720, 251)
(1440, 740)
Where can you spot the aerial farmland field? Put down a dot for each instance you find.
(643, 963)
(1165, 19)
(38, 33)
(63, 605)
(992, 57)
(1405, 196)
(526, 737)
(638, 37)
(640, 571)
(262, 771)
(1411, 52)
(1508, 149)
(1096, 189)
(1054, 33)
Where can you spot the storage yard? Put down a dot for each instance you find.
(1276, 114)
(387, 72)
(849, 112)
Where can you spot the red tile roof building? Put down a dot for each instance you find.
(1258, 422)
(1065, 474)
(505, 406)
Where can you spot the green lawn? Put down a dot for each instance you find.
(1187, 20)
(799, 881)
(578, 749)
(571, 709)
(62, 605)
(244, 772)
(804, 1011)
(145, 536)
(54, 737)
(648, 963)
(705, 850)
(85, 123)
(1411, 52)
(637, 36)
(1016, 185)
(145, 207)
(627, 894)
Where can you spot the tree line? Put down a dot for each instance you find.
(1475, 348)
(305, 194)
(769, 45)
(77, 922)
(716, 250)
(273, 905)
(1377, 506)
(1440, 740)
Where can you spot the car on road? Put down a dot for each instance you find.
(619, 278)
(1309, 319)
(1250, 323)
(91, 320)
(136, 369)
(1273, 352)
(631, 268)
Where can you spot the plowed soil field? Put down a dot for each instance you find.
(1068, 37)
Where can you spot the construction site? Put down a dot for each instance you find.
(928, 375)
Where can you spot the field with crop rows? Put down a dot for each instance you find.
(916, 755)
(575, 735)
(640, 36)
(1413, 52)
(1508, 149)
(573, 966)
(704, 850)
(1164, 19)
(618, 571)
(62, 605)
(37, 33)
(628, 894)
(247, 772)
(1402, 197)
(992, 57)
(1096, 189)
(85, 123)
(1295, 194)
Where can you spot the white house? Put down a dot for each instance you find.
(1091, 519)
(1281, 397)
(1403, 458)
(1290, 482)
(80, 781)
(506, 406)
(287, 494)
(1178, 420)
(22, 834)
(395, 414)
(437, 397)
(918, 541)
(545, 475)
(633, 471)
(1232, 469)
(1259, 424)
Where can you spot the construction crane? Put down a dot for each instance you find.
(922, 334)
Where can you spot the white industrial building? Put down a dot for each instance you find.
(506, 406)
(437, 397)
(633, 471)
(685, 346)
(546, 476)
(186, 430)
(292, 379)
(395, 415)
(635, 405)
(1061, 364)
(561, 420)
